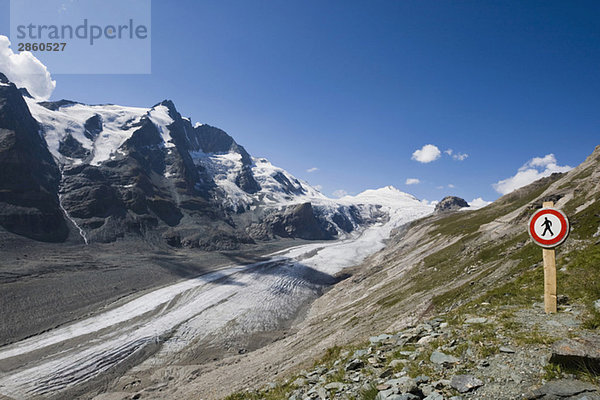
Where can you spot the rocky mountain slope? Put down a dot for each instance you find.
(475, 272)
(105, 172)
(30, 179)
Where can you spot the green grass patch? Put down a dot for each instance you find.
(368, 393)
(331, 355)
(279, 392)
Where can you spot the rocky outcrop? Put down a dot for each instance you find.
(296, 221)
(450, 203)
(29, 203)
(577, 352)
(565, 389)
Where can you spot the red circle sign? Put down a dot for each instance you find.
(548, 227)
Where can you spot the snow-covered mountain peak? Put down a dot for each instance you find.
(85, 130)
(386, 196)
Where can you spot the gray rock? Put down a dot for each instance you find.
(583, 351)
(354, 365)
(422, 379)
(564, 388)
(426, 339)
(404, 396)
(434, 396)
(465, 383)
(322, 392)
(597, 305)
(404, 384)
(426, 390)
(505, 349)
(335, 385)
(395, 396)
(385, 394)
(437, 357)
(476, 320)
(379, 339)
(359, 353)
(300, 382)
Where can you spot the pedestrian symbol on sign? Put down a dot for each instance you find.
(547, 224)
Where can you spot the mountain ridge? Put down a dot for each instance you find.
(131, 173)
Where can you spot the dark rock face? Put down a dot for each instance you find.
(450, 203)
(29, 180)
(55, 105)
(288, 186)
(70, 147)
(214, 140)
(245, 181)
(25, 93)
(129, 193)
(93, 126)
(299, 221)
(209, 139)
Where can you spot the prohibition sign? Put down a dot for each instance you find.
(548, 227)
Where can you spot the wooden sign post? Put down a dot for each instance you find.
(549, 256)
(548, 228)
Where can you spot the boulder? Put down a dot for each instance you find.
(476, 320)
(450, 203)
(565, 389)
(465, 383)
(437, 357)
(579, 352)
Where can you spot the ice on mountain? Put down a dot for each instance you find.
(159, 115)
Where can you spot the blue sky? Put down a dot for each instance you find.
(353, 88)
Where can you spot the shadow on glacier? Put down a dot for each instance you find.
(285, 266)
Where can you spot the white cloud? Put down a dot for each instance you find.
(458, 156)
(313, 169)
(412, 181)
(318, 187)
(429, 203)
(532, 170)
(340, 193)
(427, 154)
(451, 186)
(478, 203)
(439, 187)
(24, 70)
